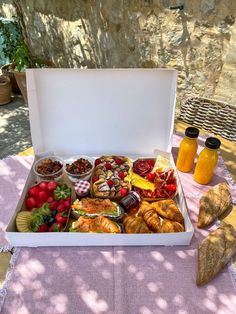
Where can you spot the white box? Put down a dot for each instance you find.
(101, 112)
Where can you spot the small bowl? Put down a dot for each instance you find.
(76, 177)
(56, 176)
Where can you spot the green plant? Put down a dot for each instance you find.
(14, 47)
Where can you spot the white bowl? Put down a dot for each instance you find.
(56, 176)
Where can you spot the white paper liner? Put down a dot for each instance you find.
(15, 252)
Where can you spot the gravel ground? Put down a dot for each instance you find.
(14, 128)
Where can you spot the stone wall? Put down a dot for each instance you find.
(134, 33)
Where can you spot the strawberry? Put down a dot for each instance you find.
(119, 161)
(61, 218)
(43, 196)
(53, 205)
(61, 208)
(123, 191)
(34, 191)
(97, 162)
(171, 187)
(30, 203)
(95, 179)
(51, 186)
(50, 199)
(151, 176)
(121, 175)
(67, 204)
(43, 228)
(110, 183)
(43, 186)
(108, 166)
(56, 227)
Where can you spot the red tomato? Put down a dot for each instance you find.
(51, 186)
(34, 191)
(30, 202)
(118, 161)
(123, 191)
(43, 186)
(121, 175)
(43, 196)
(171, 187)
(151, 176)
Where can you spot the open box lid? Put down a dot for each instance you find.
(101, 111)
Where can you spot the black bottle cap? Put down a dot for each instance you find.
(212, 142)
(192, 132)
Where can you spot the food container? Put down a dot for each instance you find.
(76, 177)
(55, 176)
(82, 188)
(127, 112)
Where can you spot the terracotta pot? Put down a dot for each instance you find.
(5, 90)
(21, 81)
(7, 70)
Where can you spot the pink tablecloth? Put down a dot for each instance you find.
(120, 280)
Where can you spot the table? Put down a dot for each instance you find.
(115, 279)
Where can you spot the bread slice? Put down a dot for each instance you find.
(213, 203)
(215, 252)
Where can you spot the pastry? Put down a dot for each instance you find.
(152, 220)
(134, 224)
(215, 252)
(170, 226)
(168, 209)
(99, 224)
(213, 203)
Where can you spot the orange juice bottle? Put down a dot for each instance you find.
(207, 161)
(187, 150)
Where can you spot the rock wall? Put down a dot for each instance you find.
(134, 33)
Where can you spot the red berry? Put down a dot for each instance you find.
(43, 196)
(56, 227)
(97, 161)
(67, 204)
(151, 176)
(61, 208)
(119, 161)
(95, 178)
(30, 202)
(110, 183)
(123, 191)
(43, 186)
(53, 205)
(50, 199)
(121, 175)
(108, 166)
(43, 228)
(51, 186)
(61, 218)
(34, 191)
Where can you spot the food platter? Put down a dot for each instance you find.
(119, 133)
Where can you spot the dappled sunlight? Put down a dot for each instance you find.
(161, 303)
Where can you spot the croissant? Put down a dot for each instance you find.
(171, 226)
(144, 206)
(168, 209)
(213, 203)
(215, 252)
(152, 220)
(134, 224)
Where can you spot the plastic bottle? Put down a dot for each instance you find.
(207, 161)
(187, 150)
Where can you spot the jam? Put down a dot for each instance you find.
(131, 200)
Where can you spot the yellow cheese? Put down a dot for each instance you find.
(141, 182)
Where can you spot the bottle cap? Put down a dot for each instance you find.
(192, 132)
(212, 142)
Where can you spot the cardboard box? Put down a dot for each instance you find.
(101, 112)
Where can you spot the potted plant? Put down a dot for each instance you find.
(18, 53)
(5, 90)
